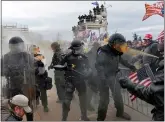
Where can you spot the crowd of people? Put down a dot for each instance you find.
(88, 73)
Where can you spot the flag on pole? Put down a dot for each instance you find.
(156, 8)
(95, 3)
(161, 36)
(140, 77)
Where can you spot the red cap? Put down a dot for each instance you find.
(148, 37)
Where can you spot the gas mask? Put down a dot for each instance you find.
(78, 51)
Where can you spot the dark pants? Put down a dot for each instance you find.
(70, 87)
(59, 83)
(104, 99)
(43, 97)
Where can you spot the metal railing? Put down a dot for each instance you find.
(138, 104)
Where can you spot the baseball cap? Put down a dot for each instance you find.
(22, 101)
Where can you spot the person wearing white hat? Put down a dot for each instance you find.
(15, 108)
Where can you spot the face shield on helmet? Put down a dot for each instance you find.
(16, 45)
(78, 50)
(16, 48)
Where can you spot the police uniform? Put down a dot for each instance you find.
(14, 63)
(75, 80)
(58, 75)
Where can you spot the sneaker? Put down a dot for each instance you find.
(124, 116)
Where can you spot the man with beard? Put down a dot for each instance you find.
(58, 75)
(15, 63)
(77, 67)
(15, 108)
(93, 80)
(107, 61)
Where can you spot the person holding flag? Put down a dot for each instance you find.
(140, 85)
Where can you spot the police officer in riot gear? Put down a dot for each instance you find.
(107, 61)
(14, 63)
(59, 75)
(78, 62)
(154, 94)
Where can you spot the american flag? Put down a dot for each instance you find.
(139, 77)
(161, 36)
(156, 8)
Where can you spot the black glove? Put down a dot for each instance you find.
(133, 68)
(161, 58)
(124, 82)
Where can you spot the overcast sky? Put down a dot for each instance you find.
(50, 17)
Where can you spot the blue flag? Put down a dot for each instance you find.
(95, 3)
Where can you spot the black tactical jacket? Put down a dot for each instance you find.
(56, 59)
(78, 63)
(107, 62)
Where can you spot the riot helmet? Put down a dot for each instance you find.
(16, 45)
(76, 46)
(117, 42)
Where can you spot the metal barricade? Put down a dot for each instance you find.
(137, 105)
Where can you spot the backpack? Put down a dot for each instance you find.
(48, 84)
